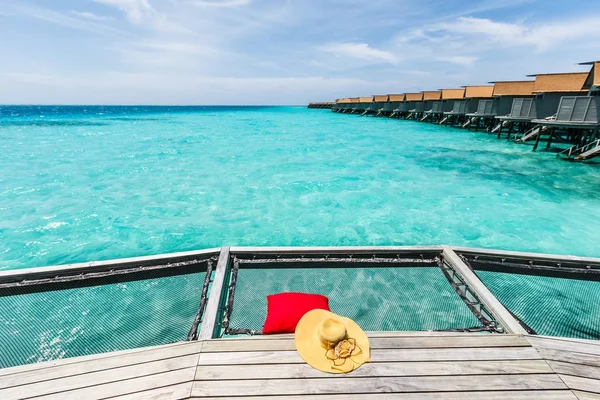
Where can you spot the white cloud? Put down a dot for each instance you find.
(89, 15)
(460, 60)
(66, 19)
(359, 50)
(504, 34)
(135, 10)
(220, 3)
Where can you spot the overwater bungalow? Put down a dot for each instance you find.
(321, 104)
(401, 111)
(473, 96)
(549, 90)
(411, 102)
(458, 114)
(350, 104)
(515, 106)
(362, 105)
(393, 103)
(340, 105)
(446, 104)
(429, 99)
(503, 96)
(577, 120)
(377, 105)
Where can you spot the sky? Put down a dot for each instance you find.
(280, 51)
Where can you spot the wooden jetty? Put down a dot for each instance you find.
(507, 363)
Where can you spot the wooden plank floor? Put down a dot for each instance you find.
(406, 365)
(576, 361)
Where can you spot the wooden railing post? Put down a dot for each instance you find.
(209, 321)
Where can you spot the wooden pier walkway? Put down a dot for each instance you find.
(405, 365)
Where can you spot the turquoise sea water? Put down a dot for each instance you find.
(90, 183)
(93, 183)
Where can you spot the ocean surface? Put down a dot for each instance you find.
(94, 183)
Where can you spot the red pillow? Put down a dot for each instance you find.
(284, 310)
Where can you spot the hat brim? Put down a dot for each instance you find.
(311, 350)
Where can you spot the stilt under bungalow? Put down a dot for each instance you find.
(393, 103)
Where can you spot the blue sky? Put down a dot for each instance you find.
(280, 51)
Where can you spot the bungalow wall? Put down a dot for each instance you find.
(391, 106)
(547, 103)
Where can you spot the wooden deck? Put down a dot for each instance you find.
(406, 365)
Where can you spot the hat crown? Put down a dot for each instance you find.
(331, 332)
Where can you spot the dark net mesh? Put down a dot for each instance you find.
(48, 325)
(550, 306)
(378, 299)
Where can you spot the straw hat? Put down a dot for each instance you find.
(331, 343)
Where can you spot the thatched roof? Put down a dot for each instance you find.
(381, 98)
(365, 99)
(452, 94)
(567, 82)
(342, 101)
(593, 78)
(414, 96)
(479, 92)
(432, 95)
(396, 97)
(513, 88)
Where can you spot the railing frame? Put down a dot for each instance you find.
(218, 292)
